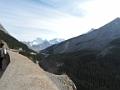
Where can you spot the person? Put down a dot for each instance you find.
(1, 54)
(4, 56)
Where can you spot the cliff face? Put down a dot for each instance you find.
(23, 74)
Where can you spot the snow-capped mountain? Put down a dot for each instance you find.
(40, 44)
(36, 41)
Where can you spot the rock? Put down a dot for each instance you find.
(63, 82)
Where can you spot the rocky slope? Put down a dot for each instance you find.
(23, 74)
(63, 82)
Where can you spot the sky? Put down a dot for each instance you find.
(27, 20)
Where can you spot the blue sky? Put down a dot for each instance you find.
(48, 19)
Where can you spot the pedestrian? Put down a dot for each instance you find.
(1, 54)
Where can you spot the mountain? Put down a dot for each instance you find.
(97, 39)
(40, 44)
(13, 43)
(91, 60)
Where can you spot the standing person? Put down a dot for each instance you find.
(1, 54)
(6, 60)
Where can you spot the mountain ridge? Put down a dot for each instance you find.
(96, 39)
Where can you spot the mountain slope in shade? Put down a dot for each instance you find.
(94, 40)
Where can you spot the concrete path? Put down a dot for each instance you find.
(23, 74)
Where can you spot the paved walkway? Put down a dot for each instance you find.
(23, 74)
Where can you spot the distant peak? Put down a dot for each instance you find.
(116, 19)
(114, 24)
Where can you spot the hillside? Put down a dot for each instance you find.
(12, 42)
